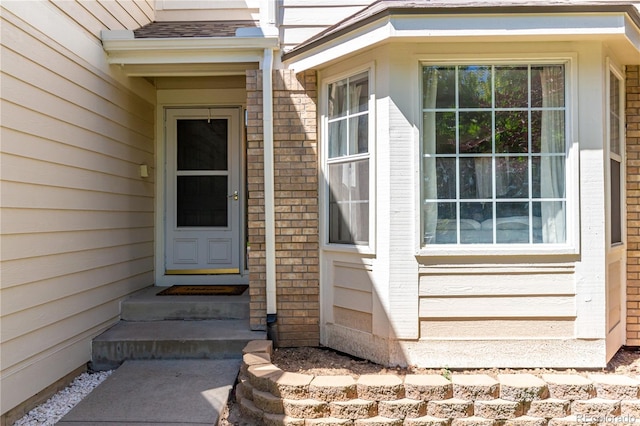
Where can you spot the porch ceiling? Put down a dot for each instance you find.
(188, 48)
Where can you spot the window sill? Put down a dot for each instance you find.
(486, 250)
(349, 248)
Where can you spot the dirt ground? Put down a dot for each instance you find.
(327, 362)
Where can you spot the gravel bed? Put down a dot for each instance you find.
(49, 412)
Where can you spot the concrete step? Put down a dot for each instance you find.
(147, 340)
(146, 305)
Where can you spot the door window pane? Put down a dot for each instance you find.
(202, 201)
(202, 145)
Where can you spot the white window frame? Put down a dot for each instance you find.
(613, 69)
(572, 188)
(369, 248)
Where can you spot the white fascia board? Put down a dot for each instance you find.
(633, 34)
(508, 25)
(116, 42)
(123, 51)
(364, 37)
(205, 56)
(471, 28)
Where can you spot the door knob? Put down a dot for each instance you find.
(234, 195)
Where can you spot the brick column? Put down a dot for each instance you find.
(633, 205)
(255, 202)
(296, 206)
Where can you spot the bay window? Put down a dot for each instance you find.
(494, 151)
(347, 162)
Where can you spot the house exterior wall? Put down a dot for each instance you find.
(299, 20)
(206, 10)
(633, 204)
(296, 206)
(469, 309)
(77, 219)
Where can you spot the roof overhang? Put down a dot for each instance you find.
(185, 56)
(619, 29)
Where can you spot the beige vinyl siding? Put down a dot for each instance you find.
(503, 303)
(77, 222)
(217, 10)
(352, 295)
(93, 16)
(299, 20)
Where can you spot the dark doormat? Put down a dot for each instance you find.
(204, 290)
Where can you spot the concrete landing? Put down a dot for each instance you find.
(146, 305)
(167, 393)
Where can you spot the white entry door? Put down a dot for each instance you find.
(202, 218)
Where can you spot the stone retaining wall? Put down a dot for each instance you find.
(271, 396)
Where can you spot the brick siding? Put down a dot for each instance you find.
(633, 205)
(296, 205)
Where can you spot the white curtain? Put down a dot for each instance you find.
(552, 167)
(430, 184)
(349, 178)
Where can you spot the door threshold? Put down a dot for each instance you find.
(230, 271)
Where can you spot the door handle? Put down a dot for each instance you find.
(234, 195)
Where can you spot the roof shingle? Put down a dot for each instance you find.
(179, 29)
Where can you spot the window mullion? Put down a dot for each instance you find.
(457, 105)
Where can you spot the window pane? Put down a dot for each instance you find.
(512, 223)
(614, 116)
(475, 132)
(548, 177)
(348, 202)
(358, 134)
(547, 86)
(202, 145)
(439, 136)
(512, 177)
(512, 131)
(446, 175)
(446, 226)
(202, 201)
(474, 86)
(547, 132)
(472, 218)
(359, 93)
(512, 88)
(338, 138)
(439, 85)
(337, 99)
(616, 206)
(475, 177)
(552, 215)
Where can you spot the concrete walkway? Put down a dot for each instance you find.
(162, 392)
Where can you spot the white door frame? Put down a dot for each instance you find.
(194, 250)
(230, 98)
